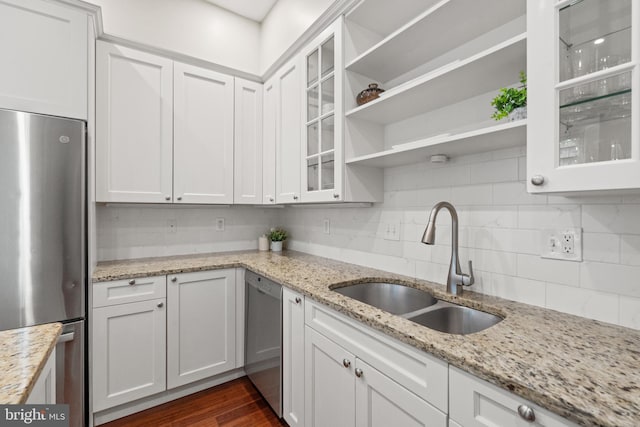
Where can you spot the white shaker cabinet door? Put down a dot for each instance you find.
(129, 352)
(134, 126)
(382, 402)
(44, 390)
(288, 132)
(293, 357)
(203, 142)
(269, 143)
(329, 383)
(201, 331)
(247, 180)
(44, 58)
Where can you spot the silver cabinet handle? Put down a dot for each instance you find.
(295, 197)
(132, 282)
(359, 372)
(167, 198)
(298, 300)
(346, 363)
(160, 304)
(179, 198)
(537, 179)
(174, 279)
(526, 413)
(336, 196)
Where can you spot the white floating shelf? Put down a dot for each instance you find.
(431, 34)
(384, 17)
(504, 135)
(498, 66)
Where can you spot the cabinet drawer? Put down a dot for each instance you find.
(129, 290)
(417, 371)
(476, 403)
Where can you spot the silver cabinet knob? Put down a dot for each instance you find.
(526, 413)
(160, 304)
(295, 197)
(346, 363)
(167, 198)
(174, 279)
(179, 198)
(537, 179)
(298, 300)
(359, 372)
(271, 199)
(336, 196)
(132, 282)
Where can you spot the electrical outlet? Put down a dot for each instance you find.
(327, 226)
(219, 224)
(172, 225)
(564, 244)
(392, 231)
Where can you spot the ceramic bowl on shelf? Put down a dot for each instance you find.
(369, 94)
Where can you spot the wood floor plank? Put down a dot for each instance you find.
(233, 404)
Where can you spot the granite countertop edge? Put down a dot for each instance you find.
(557, 368)
(23, 354)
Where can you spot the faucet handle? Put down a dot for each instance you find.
(468, 280)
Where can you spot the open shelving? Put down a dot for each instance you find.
(492, 137)
(447, 85)
(431, 34)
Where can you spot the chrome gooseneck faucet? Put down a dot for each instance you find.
(456, 278)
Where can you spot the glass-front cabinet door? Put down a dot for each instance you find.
(583, 130)
(322, 163)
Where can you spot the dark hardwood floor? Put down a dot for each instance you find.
(233, 404)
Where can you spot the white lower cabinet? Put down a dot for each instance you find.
(293, 358)
(44, 390)
(129, 347)
(355, 376)
(329, 383)
(201, 325)
(476, 403)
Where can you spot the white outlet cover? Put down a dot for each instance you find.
(551, 244)
(219, 224)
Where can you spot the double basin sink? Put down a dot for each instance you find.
(420, 307)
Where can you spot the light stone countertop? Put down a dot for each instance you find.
(583, 370)
(23, 354)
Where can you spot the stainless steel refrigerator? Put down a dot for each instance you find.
(43, 239)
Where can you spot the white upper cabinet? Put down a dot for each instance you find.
(322, 161)
(248, 154)
(288, 131)
(203, 139)
(583, 132)
(44, 58)
(269, 143)
(134, 126)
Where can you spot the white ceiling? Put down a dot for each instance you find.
(256, 10)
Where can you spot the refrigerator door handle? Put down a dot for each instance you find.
(69, 336)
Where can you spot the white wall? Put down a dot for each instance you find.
(284, 24)
(500, 225)
(145, 231)
(190, 27)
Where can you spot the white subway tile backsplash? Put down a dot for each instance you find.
(549, 217)
(515, 193)
(601, 247)
(503, 170)
(518, 289)
(630, 312)
(630, 249)
(613, 278)
(583, 302)
(548, 270)
(621, 219)
(472, 195)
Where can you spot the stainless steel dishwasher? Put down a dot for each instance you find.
(263, 338)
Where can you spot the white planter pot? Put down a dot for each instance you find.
(519, 113)
(276, 246)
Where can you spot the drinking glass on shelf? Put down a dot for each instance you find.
(570, 151)
(582, 59)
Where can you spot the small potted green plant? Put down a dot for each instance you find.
(277, 236)
(511, 102)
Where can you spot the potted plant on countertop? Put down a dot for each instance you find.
(277, 236)
(511, 102)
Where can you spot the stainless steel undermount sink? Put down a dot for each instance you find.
(456, 319)
(421, 307)
(391, 297)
